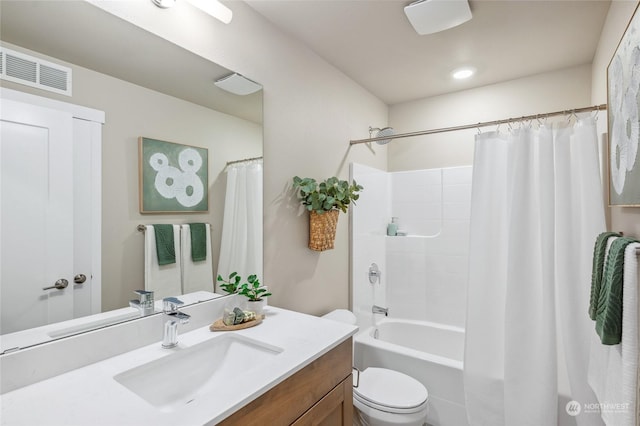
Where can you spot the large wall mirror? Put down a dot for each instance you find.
(147, 87)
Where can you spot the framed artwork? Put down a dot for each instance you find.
(623, 92)
(173, 178)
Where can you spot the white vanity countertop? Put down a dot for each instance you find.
(90, 395)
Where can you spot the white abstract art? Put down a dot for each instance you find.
(623, 83)
(173, 177)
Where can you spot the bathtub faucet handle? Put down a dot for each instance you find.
(374, 273)
(380, 310)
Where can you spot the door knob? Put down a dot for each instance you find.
(79, 279)
(59, 285)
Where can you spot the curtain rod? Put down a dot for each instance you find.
(601, 107)
(245, 160)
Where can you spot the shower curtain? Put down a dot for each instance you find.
(241, 241)
(536, 210)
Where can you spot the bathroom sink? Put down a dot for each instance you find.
(173, 381)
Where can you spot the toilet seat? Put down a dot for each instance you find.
(390, 391)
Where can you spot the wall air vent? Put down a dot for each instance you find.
(35, 72)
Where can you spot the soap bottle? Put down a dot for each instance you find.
(392, 228)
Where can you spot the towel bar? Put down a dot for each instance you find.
(142, 228)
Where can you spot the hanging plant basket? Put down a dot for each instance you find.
(324, 201)
(322, 229)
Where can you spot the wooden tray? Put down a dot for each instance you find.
(218, 325)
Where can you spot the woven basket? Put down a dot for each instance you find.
(322, 229)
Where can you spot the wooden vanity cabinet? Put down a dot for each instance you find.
(319, 394)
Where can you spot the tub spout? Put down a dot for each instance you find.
(380, 310)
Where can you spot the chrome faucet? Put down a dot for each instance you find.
(380, 310)
(173, 316)
(144, 304)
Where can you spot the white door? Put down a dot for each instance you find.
(36, 215)
(87, 171)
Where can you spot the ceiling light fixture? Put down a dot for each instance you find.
(164, 4)
(210, 7)
(214, 8)
(463, 73)
(432, 16)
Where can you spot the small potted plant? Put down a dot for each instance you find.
(255, 293)
(324, 201)
(231, 284)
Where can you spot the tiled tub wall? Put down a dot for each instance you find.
(424, 274)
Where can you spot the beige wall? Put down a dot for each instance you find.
(132, 111)
(311, 111)
(626, 219)
(553, 91)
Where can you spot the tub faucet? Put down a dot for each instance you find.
(380, 310)
(144, 304)
(172, 316)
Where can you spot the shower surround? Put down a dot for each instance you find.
(424, 274)
(423, 279)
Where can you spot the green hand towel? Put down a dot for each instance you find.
(609, 312)
(596, 273)
(164, 244)
(198, 241)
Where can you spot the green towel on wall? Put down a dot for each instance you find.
(609, 312)
(198, 241)
(599, 251)
(164, 244)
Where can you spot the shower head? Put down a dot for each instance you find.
(385, 131)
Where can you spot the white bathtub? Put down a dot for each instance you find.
(431, 353)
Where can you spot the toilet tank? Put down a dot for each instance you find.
(341, 315)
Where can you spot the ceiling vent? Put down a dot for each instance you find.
(35, 72)
(432, 16)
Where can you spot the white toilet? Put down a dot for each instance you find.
(385, 397)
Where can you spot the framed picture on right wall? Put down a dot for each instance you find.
(623, 110)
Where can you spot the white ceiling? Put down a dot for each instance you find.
(373, 42)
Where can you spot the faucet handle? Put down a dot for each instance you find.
(145, 295)
(171, 304)
(144, 304)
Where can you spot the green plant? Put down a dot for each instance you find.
(253, 289)
(231, 284)
(327, 195)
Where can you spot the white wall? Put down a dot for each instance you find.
(311, 111)
(553, 91)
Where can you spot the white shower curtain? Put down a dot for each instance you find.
(241, 245)
(536, 210)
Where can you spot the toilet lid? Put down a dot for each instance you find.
(390, 389)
